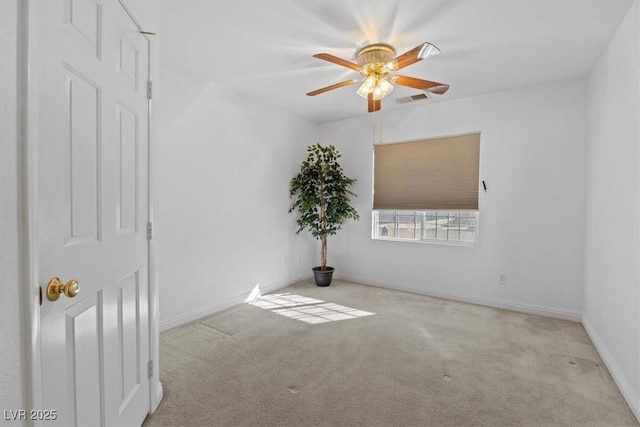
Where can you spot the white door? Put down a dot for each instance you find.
(90, 68)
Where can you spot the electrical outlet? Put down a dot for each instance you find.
(502, 279)
(284, 263)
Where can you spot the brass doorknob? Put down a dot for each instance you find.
(55, 288)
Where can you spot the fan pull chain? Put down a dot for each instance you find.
(377, 127)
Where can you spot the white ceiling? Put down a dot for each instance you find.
(263, 49)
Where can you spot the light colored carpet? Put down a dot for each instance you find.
(418, 361)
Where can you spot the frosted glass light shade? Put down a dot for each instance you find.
(382, 89)
(368, 86)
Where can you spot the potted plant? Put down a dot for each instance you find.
(320, 193)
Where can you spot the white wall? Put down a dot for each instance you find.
(532, 157)
(10, 342)
(612, 255)
(224, 170)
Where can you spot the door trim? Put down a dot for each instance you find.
(27, 91)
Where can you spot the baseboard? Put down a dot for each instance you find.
(238, 299)
(489, 302)
(159, 396)
(633, 400)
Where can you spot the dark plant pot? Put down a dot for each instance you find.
(323, 278)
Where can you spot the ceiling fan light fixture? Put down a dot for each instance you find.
(376, 85)
(377, 64)
(378, 53)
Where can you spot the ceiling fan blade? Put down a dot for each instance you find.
(433, 87)
(416, 54)
(332, 87)
(438, 90)
(336, 60)
(373, 104)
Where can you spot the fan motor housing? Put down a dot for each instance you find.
(377, 53)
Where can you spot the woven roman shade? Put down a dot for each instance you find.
(430, 174)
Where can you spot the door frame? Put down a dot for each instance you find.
(27, 94)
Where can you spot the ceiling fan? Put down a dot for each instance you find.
(377, 64)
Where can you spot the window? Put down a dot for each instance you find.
(427, 190)
(426, 226)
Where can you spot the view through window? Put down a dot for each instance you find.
(428, 226)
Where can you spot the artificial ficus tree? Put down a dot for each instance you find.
(320, 192)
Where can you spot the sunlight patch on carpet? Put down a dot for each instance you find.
(309, 310)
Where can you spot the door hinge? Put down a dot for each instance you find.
(149, 368)
(149, 89)
(149, 230)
